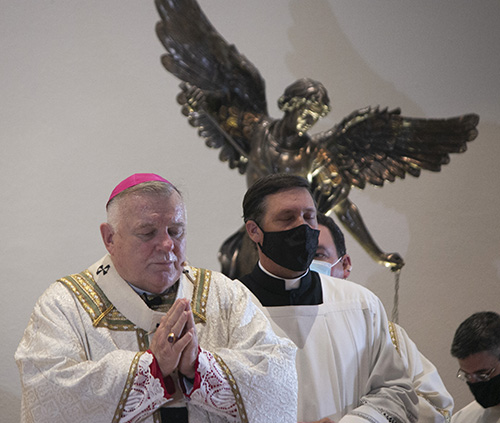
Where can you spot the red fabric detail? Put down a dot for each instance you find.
(169, 386)
(167, 383)
(197, 376)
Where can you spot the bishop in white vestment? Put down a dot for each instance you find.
(94, 351)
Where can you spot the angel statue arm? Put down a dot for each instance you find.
(350, 217)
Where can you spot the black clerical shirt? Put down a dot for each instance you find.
(271, 291)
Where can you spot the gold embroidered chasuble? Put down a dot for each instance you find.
(79, 354)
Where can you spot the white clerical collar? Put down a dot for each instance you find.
(289, 283)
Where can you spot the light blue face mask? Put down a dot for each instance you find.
(323, 267)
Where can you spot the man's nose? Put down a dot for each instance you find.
(301, 221)
(166, 243)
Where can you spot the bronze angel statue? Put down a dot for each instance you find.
(223, 94)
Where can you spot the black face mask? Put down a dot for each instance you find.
(293, 249)
(487, 393)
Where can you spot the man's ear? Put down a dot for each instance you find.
(253, 231)
(346, 265)
(107, 234)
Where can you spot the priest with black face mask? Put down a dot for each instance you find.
(348, 369)
(476, 345)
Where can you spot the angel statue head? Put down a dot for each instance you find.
(304, 102)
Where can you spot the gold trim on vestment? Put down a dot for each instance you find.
(394, 336)
(234, 387)
(445, 413)
(104, 314)
(95, 303)
(142, 339)
(128, 386)
(202, 279)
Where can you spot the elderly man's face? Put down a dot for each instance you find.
(148, 243)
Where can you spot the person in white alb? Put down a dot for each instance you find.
(142, 337)
(435, 403)
(348, 369)
(476, 346)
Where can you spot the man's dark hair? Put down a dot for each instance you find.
(254, 200)
(337, 235)
(480, 332)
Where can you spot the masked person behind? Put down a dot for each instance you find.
(141, 336)
(435, 404)
(476, 345)
(348, 370)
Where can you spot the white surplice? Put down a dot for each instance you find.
(435, 403)
(82, 357)
(475, 413)
(347, 367)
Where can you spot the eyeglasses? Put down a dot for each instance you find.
(475, 377)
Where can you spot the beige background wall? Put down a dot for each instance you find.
(85, 102)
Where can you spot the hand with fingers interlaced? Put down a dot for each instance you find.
(190, 353)
(175, 343)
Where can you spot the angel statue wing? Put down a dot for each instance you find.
(223, 95)
(371, 146)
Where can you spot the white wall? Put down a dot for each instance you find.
(85, 102)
